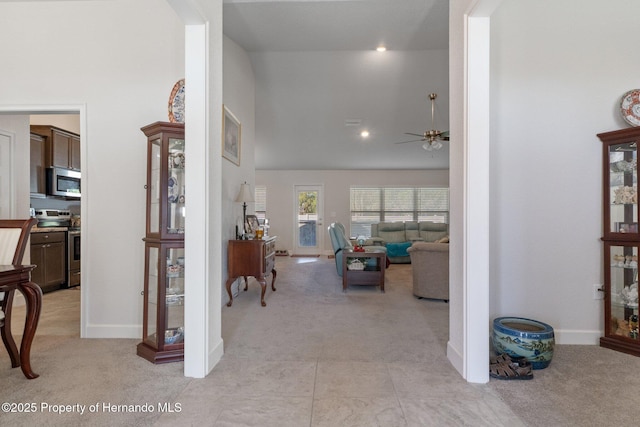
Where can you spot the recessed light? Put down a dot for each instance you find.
(364, 133)
(381, 48)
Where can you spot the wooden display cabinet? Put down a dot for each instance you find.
(621, 239)
(163, 319)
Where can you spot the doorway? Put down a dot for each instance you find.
(308, 206)
(60, 116)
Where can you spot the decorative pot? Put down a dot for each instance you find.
(520, 337)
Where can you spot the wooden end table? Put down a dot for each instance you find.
(373, 275)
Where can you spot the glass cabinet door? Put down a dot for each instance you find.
(623, 190)
(153, 191)
(164, 295)
(175, 190)
(621, 310)
(174, 297)
(151, 297)
(165, 181)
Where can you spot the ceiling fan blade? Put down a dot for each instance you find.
(445, 135)
(413, 140)
(414, 134)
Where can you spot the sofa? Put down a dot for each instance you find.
(430, 267)
(398, 236)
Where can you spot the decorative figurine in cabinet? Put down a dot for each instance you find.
(621, 239)
(163, 322)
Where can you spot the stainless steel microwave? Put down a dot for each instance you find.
(63, 182)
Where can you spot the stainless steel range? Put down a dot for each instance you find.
(53, 218)
(56, 218)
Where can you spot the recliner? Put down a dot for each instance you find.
(340, 243)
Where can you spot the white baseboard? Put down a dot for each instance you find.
(577, 337)
(113, 331)
(455, 357)
(215, 355)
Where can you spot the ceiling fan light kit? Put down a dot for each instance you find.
(433, 136)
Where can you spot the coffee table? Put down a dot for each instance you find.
(371, 275)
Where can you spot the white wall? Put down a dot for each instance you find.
(280, 187)
(121, 67)
(239, 97)
(559, 69)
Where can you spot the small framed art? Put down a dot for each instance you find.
(252, 224)
(231, 136)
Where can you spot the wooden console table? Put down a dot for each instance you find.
(18, 277)
(368, 276)
(254, 258)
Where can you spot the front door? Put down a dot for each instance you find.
(308, 225)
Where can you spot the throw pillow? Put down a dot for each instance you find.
(398, 249)
(443, 240)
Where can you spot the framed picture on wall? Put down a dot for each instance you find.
(231, 136)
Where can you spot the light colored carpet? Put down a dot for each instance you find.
(315, 356)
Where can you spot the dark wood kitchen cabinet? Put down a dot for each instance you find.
(62, 148)
(163, 314)
(48, 254)
(37, 166)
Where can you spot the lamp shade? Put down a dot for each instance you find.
(245, 194)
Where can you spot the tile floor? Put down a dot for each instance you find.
(316, 356)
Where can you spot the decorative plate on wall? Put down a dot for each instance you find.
(176, 103)
(630, 107)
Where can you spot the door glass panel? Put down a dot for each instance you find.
(624, 291)
(307, 218)
(623, 188)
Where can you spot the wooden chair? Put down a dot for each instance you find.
(14, 236)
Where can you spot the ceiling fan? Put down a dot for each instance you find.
(433, 136)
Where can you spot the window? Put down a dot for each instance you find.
(261, 202)
(370, 205)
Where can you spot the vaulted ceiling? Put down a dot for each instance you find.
(319, 80)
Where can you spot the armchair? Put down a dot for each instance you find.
(14, 236)
(340, 243)
(430, 266)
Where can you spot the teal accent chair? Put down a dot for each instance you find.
(341, 243)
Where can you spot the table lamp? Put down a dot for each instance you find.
(245, 195)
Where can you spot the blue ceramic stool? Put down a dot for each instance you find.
(520, 337)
